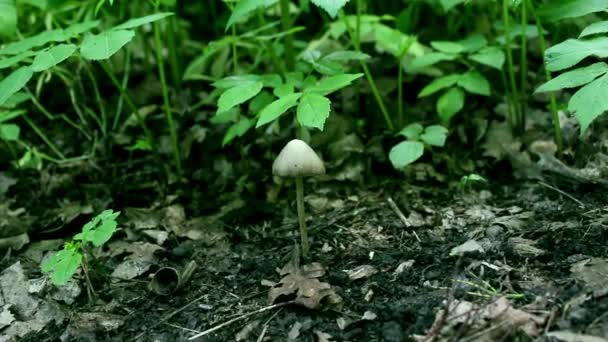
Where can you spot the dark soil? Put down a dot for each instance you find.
(532, 236)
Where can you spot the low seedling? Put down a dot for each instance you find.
(63, 264)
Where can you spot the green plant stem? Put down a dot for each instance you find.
(125, 82)
(102, 110)
(301, 218)
(166, 103)
(552, 100)
(368, 75)
(523, 68)
(44, 138)
(174, 55)
(286, 24)
(510, 67)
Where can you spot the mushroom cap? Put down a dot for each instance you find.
(297, 159)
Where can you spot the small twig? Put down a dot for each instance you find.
(164, 319)
(402, 217)
(219, 326)
(581, 204)
(265, 328)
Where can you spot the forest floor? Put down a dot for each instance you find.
(520, 261)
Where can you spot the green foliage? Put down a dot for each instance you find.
(468, 181)
(330, 6)
(585, 103)
(407, 152)
(63, 264)
(8, 18)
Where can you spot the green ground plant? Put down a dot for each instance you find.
(63, 265)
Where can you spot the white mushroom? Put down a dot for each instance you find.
(297, 160)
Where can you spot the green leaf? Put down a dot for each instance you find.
(447, 47)
(557, 10)
(412, 131)
(6, 116)
(589, 102)
(62, 265)
(237, 130)
(313, 110)
(8, 18)
(237, 95)
(344, 56)
(330, 84)
(79, 28)
(263, 99)
(100, 229)
(405, 153)
(245, 7)
(438, 84)
(490, 56)
(16, 99)
(429, 59)
(572, 51)
(283, 89)
(275, 109)
(136, 22)
(9, 132)
(475, 83)
(29, 43)
(330, 6)
(473, 42)
(449, 4)
(234, 81)
(49, 58)
(595, 28)
(225, 117)
(435, 135)
(105, 44)
(14, 82)
(450, 103)
(575, 78)
(10, 61)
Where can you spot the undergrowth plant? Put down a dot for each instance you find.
(63, 265)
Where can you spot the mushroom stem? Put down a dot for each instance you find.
(301, 219)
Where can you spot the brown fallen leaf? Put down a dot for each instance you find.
(302, 286)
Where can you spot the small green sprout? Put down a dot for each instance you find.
(467, 182)
(63, 264)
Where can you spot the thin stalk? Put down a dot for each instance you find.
(399, 94)
(44, 138)
(369, 76)
(174, 58)
(301, 218)
(514, 94)
(523, 67)
(280, 67)
(552, 100)
(125, 82)
(129, 101)
(102, 110)
(286, 24)
(167, 105)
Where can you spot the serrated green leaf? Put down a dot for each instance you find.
(595, 28)
(490, 56)
(344, 56)
(430, 59)
(473, 42)
(575, 78)
(49, 58)
(29, 43)
(447, 47)
(136, 22)
(332, 83)
(450, 103)
(572, 51)
(8, 18)
(438, 84)
(10, 61)
(589, 102)
(412, 131)
(237, 95)
(245, 7)
(283, 89)
(235, 81)
(475, 83)
(237, 130)
(62, 265)
(100, 229)
(79, 28)
(9, 132)
(405, 153)
(105, 44)
(14, 82)
(313, 110)
(434, 135)
(330, 6)
(275, 109)
(557, 10)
